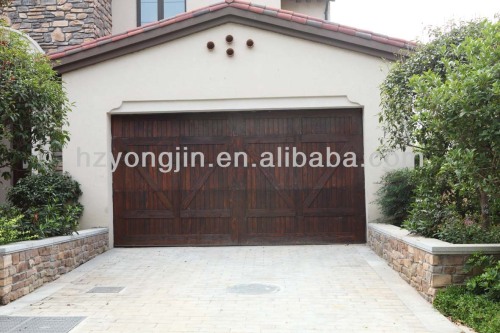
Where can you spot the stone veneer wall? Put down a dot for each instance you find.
(426, 264)
(28, 265)
(55, 24)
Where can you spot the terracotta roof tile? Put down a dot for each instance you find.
(199, 12)
(298, 19)
(270, 12)
(314, 23)
(256, 9)
(363, 35)
(241, 6)
(284, 16)
(246, 6)
(347, 31)
(331, 26)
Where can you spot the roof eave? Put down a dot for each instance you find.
(117, 46)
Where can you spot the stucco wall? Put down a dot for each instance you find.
(125, 11)
(312, 8)
(194, 4)
(276, 67)
(124, 14)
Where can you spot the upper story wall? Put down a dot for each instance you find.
(125, 11)
(314, 8)
(194, 4)
(55, 24)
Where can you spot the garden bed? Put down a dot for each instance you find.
(25, 266)
(426, 264)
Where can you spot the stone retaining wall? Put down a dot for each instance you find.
(426, 264)
(55, 24)
(25, 266)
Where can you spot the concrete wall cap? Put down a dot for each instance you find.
(431, 245)
(35, 244)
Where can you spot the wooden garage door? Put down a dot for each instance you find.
(266, 202)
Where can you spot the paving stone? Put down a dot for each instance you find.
(330, 288)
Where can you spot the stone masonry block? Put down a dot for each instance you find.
(440, 280)
(453, 260)
(4, 273)
(6, 281)
(6, 260)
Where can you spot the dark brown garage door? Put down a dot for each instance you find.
(238, 205)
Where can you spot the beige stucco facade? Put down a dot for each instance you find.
(312, 8)
(124, 15)
(279, 72)
(124, 12)
(195, 4)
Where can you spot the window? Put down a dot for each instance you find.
(153, 10)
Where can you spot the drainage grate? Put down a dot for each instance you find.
(8, 323)
(38, 324)
(253, 289)
(105, 290)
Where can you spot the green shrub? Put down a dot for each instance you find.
(477, 304)
(476, 311)
(49, 203)
(9, 231)
(43, 189)
(487, 282)
(458, 231)
(396, 195)
(54, 219)
(11, 225)
(447, 213)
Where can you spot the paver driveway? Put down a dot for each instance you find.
(331, 288)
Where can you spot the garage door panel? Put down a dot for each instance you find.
(142, 226)
(271, 226)
(204, 226)
(146, 213)
(341, 124)
(261, 124)
(270, 213)
(208, 188)
(200, 125)
(235, 205)
(264, 190)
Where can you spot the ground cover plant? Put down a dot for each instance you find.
(477, 303)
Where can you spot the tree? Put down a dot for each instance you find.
(33, 106)
(444, 101)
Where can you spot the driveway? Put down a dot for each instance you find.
(330, 288)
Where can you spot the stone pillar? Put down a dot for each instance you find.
(56, 24)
